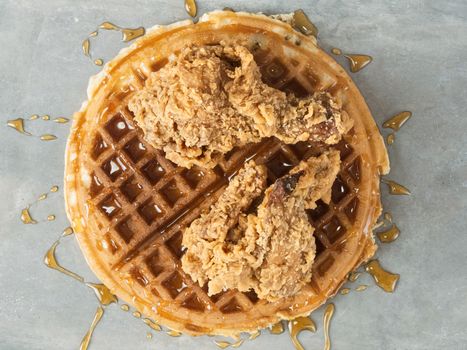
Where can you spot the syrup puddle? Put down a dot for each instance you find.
(358, 62)
(384, 279)
(296, 326)
(128, 34)
(191, 8)
(389, 235)
(395, 188)
(87, 337)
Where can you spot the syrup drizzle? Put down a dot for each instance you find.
(87, 337)
(191, 8)
(303, 23)
(384, 279)
(19, 125)
(296, 326)
(103, 294)
(328, 313)
(396, 122)
(277, 328)
(358, 62)
(51, 262)
(395, 188)
(389, 235)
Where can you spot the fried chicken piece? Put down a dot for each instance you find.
(270, 252)
(211, 99)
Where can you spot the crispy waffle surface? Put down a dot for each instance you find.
(129, 205)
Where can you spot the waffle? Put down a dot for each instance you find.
(129, 205)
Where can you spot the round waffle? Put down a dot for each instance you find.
(129, 205)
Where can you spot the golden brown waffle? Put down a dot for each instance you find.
(129, 205)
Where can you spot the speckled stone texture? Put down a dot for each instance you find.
(420, 64)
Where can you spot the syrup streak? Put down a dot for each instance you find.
(87, 337)
(296, 326)
(328, 313)
(358, 62)
(51, 261)
(395, 188)
(191, 8)
(384, 279)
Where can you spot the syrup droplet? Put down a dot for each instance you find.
(384, 279)
(87, 337)
(296, 326)
(358, 62)
(345, 291)
(46, 117)
(336, 51)
(354, 276)
(153, 325)
(85, 46)
(277, 328)
(103, 294)
(54, 188)
(125, 307)
(61, 120)
(395, 188)
(51, 217)
(68, 231)
(18, 125)
(388, 217)
(42, 197)
(129, 34)
(391, 138)
(389, 235)
(99, 62)
(136, 314)
(254, 335)
(33, 117)
(190, 7)
(396, 122)
(173, 333)
(108, 26)
(222, 344)
(93, 34)
(328, 313)
(303, 23)
(48, 137)
(149, 335)
(51, 261)
(26, 217)
(361, 288)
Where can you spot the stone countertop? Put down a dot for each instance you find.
(419, 50)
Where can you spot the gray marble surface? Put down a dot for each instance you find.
(419, 49)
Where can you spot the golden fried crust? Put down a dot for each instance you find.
(210, 99)
(270, 252)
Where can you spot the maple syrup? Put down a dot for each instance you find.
(18, 125)
(85, 46)
(254, 335)
(391, 138)
(54, 188)
(328, 313)
(358, 62)
(150, 323)
(51, 262)
(222, 344)
(336, 51)
(67, 231)
(61, 120)
(191, 8)
(396, 122)
(174, 333)
(46, 117)
(354, 276)
(129, 34)
(303, 23)
(42, 197)
(125, 307)
(395, 188)
(99, 62)
(48, 137)
(389, 235)
(384, 279)
(34, 117)
(26, 217)
(345, 291)
(87, 337)
(51, 217)
(136, 314)
(361, 288)
(103, 294)
(277, 328)
(296, 326)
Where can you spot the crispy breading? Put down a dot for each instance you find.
(210, 99)
(271, 251)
